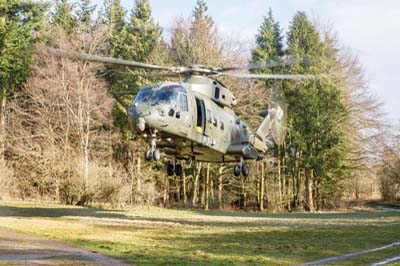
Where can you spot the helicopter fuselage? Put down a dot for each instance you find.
(188, 124)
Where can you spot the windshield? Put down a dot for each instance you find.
(144, 94)
(167, 94)
(164, 95)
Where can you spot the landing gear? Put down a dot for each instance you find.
(236, 170)
(174, 168)
(153, 153)
(241, 168)
(178, 170)
(156, 155)
(245, 170)
(148, 155)
(170, 169)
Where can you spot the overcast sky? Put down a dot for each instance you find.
(370, 28)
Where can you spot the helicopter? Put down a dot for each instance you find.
(193, 119)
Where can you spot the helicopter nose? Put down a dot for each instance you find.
(136, 122)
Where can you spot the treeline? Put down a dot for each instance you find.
(64, 133)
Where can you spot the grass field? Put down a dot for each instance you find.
(181, 237)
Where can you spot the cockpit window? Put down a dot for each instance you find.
(166, 94)
(144, 94)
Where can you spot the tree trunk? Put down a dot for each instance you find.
(207, 189)
(184, 188)
(197, 171)
(220, 169)
(279, 179)
(139, 179)
(166, 190)
(262, 186)
(212, 196)
(309, 195)
(3, 116)
(86, 163)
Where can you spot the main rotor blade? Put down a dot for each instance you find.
(269, 64)
(108, 60)
(269, 76)
(163, 74)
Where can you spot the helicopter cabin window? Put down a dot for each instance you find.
(183, 101)
(216, 95)
(209, 116)
(222, 126)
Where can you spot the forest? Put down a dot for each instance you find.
(65, 136)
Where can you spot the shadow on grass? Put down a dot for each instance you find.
(52, 212)
(204, 218)
(325, 215)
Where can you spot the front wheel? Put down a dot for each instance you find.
(148, 155)
(236, 170)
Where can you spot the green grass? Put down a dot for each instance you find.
(182, 237)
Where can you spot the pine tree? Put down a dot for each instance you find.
(63, 16)
(196, 43)
(143, 32)
(315, 107)
(134, 40)
(115, 19)
(85, 12)
(268, 40)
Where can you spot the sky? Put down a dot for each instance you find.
(370, 28)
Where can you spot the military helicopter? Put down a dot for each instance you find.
(193, 119)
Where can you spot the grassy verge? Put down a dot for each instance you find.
(179, 237)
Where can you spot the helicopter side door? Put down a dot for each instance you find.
(201, 116)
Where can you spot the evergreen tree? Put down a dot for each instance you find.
(134, 40)
(315, 107)
(143, 33)
(196, 43)
(20, 22)
(200, 17)
(269, 45)
(63, 16)
(85, 12)
(115, 19)
(268, 40)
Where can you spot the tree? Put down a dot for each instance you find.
(315, 108)
(85, 12)
(63, 16)
(269, 47)
(20, 24)
(269, 44)
(58, 123)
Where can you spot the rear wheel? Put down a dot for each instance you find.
(236, 170)
(178, 170)
(245, 170)
(170, 169)
(156, 155)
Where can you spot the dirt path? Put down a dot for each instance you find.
(22, 249)
(354, 254)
